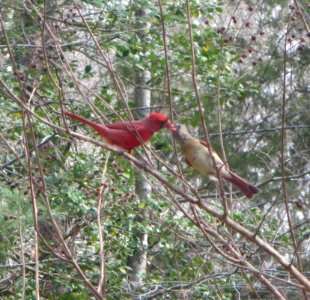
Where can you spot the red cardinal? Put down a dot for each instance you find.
(197, 155)
(127, 135)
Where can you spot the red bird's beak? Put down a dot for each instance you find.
(170, 126)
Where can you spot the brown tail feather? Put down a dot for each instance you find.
(244, 186)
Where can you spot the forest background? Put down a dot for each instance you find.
(80, 219)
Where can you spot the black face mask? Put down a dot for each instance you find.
(163, 124)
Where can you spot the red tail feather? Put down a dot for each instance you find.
(102, 130)
(244, 186)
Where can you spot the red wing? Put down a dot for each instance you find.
(128, 126)
(187, 161)
(205, 143)
(136, 130)
(215, 154)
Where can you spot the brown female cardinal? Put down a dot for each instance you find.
(197, 155)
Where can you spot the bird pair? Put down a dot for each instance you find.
(131, 134)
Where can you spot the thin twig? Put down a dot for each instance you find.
(22, 254)
(103, 187)
(287, 178)
(282, 159)
(158, 290)
(238, 257)
(26, 115)
(201, 109)
(302, 15)
(167, 75)
(34, 206)
(241, 132)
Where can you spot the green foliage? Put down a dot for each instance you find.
(241, 76)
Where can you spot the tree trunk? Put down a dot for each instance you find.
(138, 261)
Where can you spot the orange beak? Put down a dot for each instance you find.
(169, 125)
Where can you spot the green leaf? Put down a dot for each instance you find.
(88, 68)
